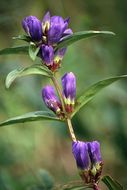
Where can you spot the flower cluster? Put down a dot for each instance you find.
(46, 34)
(88, 159)
(69, 93)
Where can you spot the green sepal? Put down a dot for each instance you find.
(23, 37)
(33, 51)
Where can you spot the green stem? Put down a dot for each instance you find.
(59, 91)
(67, 117)
(71, 131)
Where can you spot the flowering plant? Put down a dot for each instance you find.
(48, 40)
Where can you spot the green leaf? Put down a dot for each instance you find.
(75, 185)
(33, 51)
(34, 69)
(89, 94)
(32, 116)
(15, 50)
(111, 183)
(68, 40)
(23, 37)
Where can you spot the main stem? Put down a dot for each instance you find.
(71, 131)
(59, 91)
(68, 120)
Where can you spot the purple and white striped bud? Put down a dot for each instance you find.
(47, 54)
(33, 27)
(46, 23)
(51, 100)
(88, 159)
(69, 91)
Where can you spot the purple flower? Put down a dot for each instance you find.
(69, 90)
(33, 27)
(94, 152)
(50, 99)
(54, 28)
(47, 54)
(80, 152)
(88, 159)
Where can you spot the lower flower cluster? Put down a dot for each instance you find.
(88, 159)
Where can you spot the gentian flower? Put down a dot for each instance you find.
(33, 27)
(69, 90)
(88, 159)
(51, 60)
(54, 28)
(80, 152)
(51, 100)
(47, 54)
(94, 152)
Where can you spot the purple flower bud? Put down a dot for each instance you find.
(33, 27)
(94, 152)
(80, 152)
(57, 27)
(59, 55)
(50, 99)
(88, 159)
(69, 90)
(47, 54)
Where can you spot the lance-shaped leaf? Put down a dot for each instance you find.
(32, 116)
(75, 185)
(15, 50)
(33, 51)
(68, 40)
(89, 94)
(34, 69)
(111, 183)
(23, 37)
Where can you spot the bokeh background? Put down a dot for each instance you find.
(28, 150)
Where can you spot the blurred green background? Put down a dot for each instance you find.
(26, 149)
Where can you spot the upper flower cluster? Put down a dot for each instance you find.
(46, 34)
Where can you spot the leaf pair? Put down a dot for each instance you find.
(68, 40)
(86, 97)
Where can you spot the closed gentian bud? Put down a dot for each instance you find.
(57, 27)
(69, 91)
(94, 152)
(89, 161)
(80, 152)
(33, 27)
(47, 54)
(95, 157)
(51, 100)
